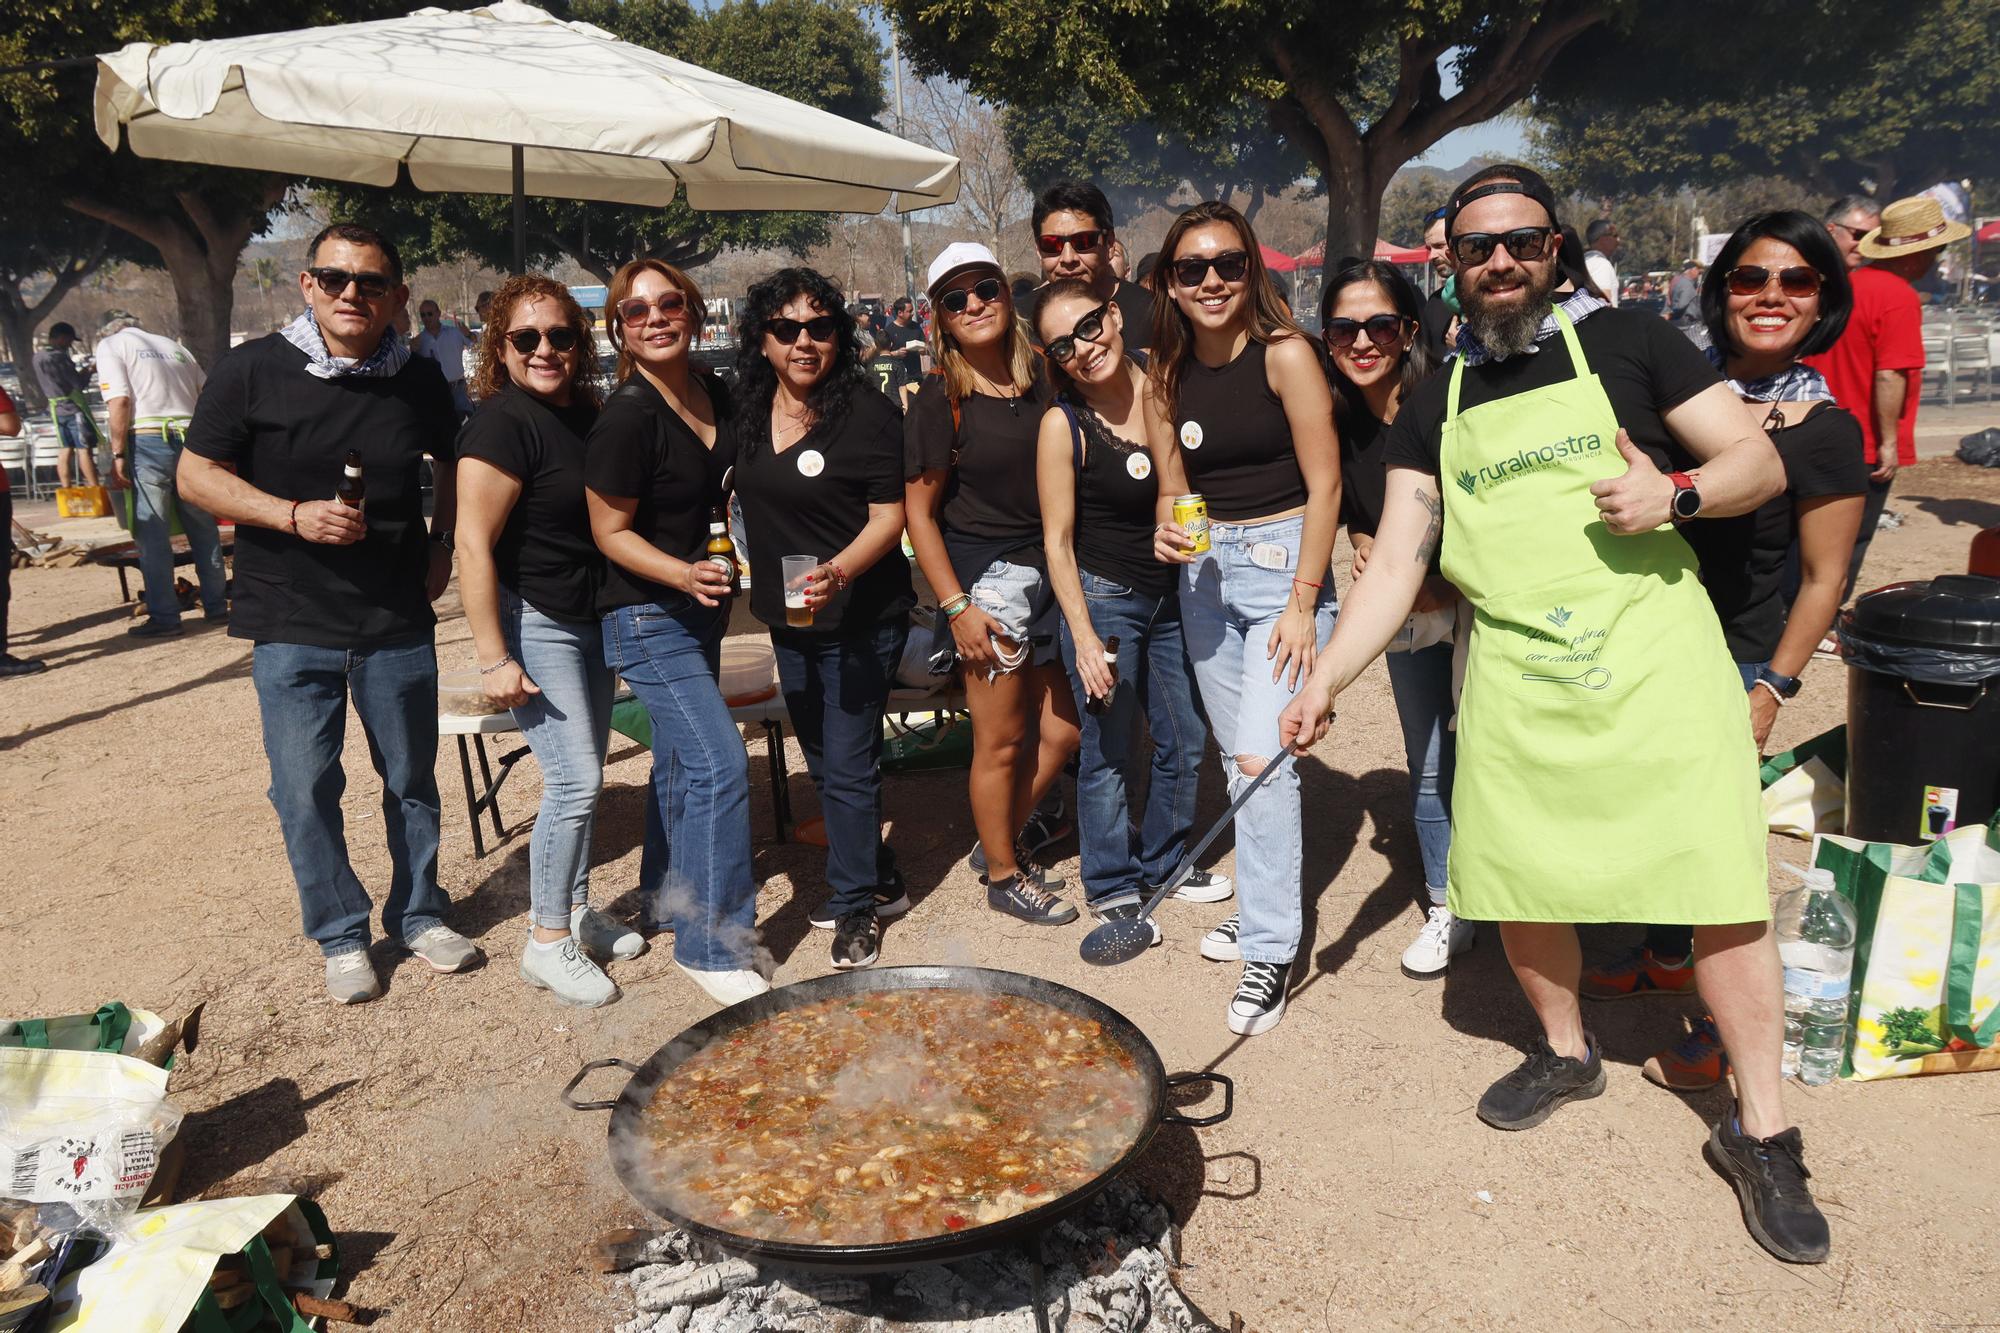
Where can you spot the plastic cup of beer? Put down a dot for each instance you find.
(797, 571)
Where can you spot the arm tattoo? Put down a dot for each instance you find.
(1434, 531)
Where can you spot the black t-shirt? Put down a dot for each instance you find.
(813, 499)
(1646, 365)
(641, 449)
(890, 373)
(1117, 498)
(1136, 304)
(1432, 321)
(990, 495)
(1364, 484)
(907, 342)
(288, 433)
(1743, 558)
(544, 552)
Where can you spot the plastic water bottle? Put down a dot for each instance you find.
(1816, 928)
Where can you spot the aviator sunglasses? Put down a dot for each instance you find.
(1051, 243)
(635, 311)
(986, 289)
(333, 281)
(526, 342)
(819, 328)
(1230, 266)
(1383, 330)
(1526, 244)
(1751, 279)
(1060, 350)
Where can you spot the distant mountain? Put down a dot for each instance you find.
(1440, 180)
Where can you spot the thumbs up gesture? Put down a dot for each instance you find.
(1639, 501)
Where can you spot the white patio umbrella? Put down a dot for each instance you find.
(504, 99)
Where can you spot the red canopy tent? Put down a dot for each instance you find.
(1277, 261)
(1394, 254)
(1988, 233)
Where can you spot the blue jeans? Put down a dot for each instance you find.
(154, 500)
(1120, 863)
(836, 689)
(697, 860)
(76, 431)
(1229, 605)
(568, 726)
(1421, 683)
(302, 694)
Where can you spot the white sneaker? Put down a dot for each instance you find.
(1259, 1001)
(351, 979)
(728, 987)
(601, 938)
(564, 972)
(1220, 945)
(1431, 953)
(444, 949)
(1203, 886)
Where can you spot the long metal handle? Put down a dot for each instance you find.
(1194, 853)
(573, 1104)
(1173, 1117)
(1909, 688)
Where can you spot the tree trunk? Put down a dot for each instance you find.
(1353, 213)
(19, 333)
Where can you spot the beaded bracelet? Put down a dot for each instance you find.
(956, 606)
(294, 520)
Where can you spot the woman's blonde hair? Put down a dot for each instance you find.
(622, 283)
(1023, 361)
(1173, 337)
(489, 374)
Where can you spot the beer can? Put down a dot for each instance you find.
(1191, 512)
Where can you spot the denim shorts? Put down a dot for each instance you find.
(1020, 598)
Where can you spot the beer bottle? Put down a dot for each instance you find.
(1095, 704)
(721, 550)
(350, 490)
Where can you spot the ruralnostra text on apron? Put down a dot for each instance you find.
(1606, 770)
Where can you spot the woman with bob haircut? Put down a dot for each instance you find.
(529, 576)
(975, 521)
(820, 473)
(659, 465)
(1778, 292)
(1248, 424)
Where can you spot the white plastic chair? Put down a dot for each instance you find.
(14, 458)
(1971, 358)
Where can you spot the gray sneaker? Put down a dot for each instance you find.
(444, 949)
(564, 972)
(351, 979)
(603, 939)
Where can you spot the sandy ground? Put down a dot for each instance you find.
(1350, 1190)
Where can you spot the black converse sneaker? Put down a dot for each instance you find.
(1046, 825)
(1220, 945)
(1018, 897)
(1543, 1082)
(1770, 1177)
(1203, 886)
(1024, 862)
(1259, 1001)
(857, 940)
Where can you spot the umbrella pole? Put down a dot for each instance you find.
(520, 212)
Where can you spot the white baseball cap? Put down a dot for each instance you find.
(956, 258)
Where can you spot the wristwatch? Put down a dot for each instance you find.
(1686, 503)
(1786, 687)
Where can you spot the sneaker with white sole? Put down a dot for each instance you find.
(444, 949)
(1203, 886)
(1047, 824)
(857, 940)
(351, 979)
(1220, 945)
(563, 970)
(1259, 1001)
(602, 939)
(1021, 898)
(729, 986)
(1431, 952)
(890, 900)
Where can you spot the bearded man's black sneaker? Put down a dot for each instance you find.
(857, 940)
(1544, 1081)
(1770, 1178)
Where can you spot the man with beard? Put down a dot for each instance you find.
(1605, 766)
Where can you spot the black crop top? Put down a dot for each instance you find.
(1116, 499)
(1235, 440)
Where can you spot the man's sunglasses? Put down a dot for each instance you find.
(819, 328)
(1526, 244)
(1383, 330)
(1752, 279)
(1061, 349)
(527, 341)
(986, 289)
(1230, 266)
(638, 310)
(334, 281)
(1052, 244)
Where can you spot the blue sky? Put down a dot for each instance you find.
(1502, 137)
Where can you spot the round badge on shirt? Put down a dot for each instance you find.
(811, 463)
(1140, 466)
(1191, 435)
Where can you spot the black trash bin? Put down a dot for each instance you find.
(1923, 707)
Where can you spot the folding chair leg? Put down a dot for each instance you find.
(471, 800)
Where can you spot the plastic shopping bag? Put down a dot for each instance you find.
(1805, 788)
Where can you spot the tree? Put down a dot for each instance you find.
(44, 255)
(947, 116)
(196, 219)
(1879, 99)
(813, 51)
(1358, 90)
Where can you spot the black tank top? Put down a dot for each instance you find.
(1235, 440)
(1115, 496)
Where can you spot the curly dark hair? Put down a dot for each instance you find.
(489, 376)
(757, 379)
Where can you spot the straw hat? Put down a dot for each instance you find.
(1910, 226)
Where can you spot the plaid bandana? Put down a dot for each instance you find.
(388, 357)
(1578, 306)
(1796, 383)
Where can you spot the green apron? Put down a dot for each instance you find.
(1605, 766)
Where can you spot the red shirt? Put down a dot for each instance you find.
(1885, 332)
(6, 406)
